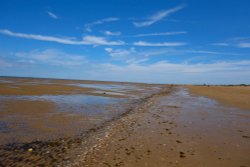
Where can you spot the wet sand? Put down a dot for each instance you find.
(168, 127)
(37, 86)
(234, 96)
(174, 129)
(45, 109)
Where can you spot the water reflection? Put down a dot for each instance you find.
(110, 87)
(72, 103)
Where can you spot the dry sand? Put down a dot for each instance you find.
(166, 128)
(235, 96)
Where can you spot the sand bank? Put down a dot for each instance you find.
(234, 96)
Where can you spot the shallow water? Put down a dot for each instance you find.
(24, 118)
(40, 110)
(112, 87)
(64, 102)
(109, 93)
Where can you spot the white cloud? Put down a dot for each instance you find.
(167, 72)
(220, 44)
(100, 41)
(210, 52)
(239, 39)
(239, 42)
(143, 43)
(142, 55)
(52, 15)
(244, 45)
(121, 53)
(108, 50)
(89, 26)
(127, 56)
(87, 40)
(136, 61)
(112, 33)
(131, 54)
(161, 34)
(51, 57)
(133, 69)
(183, 52)
(158, 16)
(39, 37)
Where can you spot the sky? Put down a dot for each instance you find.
(160, 41)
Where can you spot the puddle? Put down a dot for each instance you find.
(4, 127)
(50, 116)
(5, 81)
(36, 111)
(109, 93)
(213, 114)
(70, 103)
(109, 87)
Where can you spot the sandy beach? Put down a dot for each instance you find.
(145, 125)
(163, 83)
(234, 96)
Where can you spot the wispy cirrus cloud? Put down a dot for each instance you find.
(141, 55)
(136, 60)
(239, 42)
(234, 44)
(88, 27)
(182, 52)
(127, 56)
(111, 33)
(40, 37)
(157, 17)
(50, 57)
(244, 45)
(143, 43)
(220, 44)
(52, 15)
(210, 52)
(220, 72)
(87, 40)
(192, 68)
(94, 40)
(161, 34)
(121, 53)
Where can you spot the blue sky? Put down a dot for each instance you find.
(161, 41)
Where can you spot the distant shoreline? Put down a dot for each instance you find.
(109, 81)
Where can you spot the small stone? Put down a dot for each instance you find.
(178, 141)
(182, 154)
